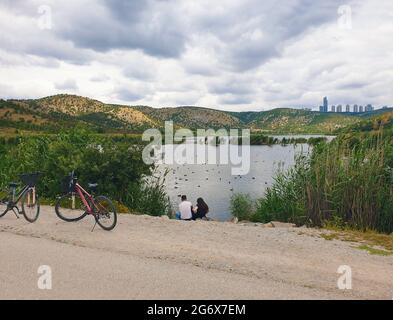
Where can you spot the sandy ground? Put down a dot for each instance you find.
(157, 258)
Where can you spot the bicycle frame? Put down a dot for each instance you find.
(14, 197)
(83, 194)
(13, 201)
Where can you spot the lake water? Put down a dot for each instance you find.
(215, 183)
(306, 136)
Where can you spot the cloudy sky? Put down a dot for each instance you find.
(224, 54)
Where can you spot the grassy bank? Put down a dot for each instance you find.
(347, 183)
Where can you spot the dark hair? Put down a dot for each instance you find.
(202, 204)
(183, 197)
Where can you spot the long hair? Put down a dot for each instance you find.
(202, 204)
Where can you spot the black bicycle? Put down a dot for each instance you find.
(27, 195)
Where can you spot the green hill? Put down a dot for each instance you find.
(50, 114)
(301, 121)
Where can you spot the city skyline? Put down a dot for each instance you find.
(348, 108)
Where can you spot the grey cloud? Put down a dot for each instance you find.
(236, 86)
(150, 26)
(128, 95)
(139, 71)
(100, 78)
(248, 35)
(68, 84)
(200, 69)
(234, 99)
(352, 85)
(262, 53)
(278, 23)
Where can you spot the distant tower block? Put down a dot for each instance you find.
(360, 109)
(355, 108)
(339, 108)
(347, 108)
(325, 104)
(369, 108)
(333, 108)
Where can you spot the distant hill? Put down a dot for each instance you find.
(300, 121)
(194, 117)
(374, 122)
(52, 113)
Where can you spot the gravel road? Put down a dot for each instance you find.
(157, 258)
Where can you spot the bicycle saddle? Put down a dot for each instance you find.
(13, 184)
(93, 185)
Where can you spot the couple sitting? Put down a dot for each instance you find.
(188, 212)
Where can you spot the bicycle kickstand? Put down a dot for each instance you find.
(13, 210)
(94, 226)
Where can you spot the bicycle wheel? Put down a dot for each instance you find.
(31, 206)
(70, 208)
(105, 213)
(3, 203)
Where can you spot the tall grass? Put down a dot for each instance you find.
(351, 181)
(348, 181)
(242, 207)
(284, 201)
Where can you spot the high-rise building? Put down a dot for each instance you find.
(360, 109)
(321, 109)
(339, 108)
(355, 108)
(325, 104)
(347, 108)
(369, 108)
(333, 109)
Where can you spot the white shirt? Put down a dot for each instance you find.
(185, 210)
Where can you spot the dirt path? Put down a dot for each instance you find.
(157, 258)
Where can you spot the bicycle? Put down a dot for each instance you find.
(30, 204)
(77, 203)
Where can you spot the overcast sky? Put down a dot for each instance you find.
(232, 55)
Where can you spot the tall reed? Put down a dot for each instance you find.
(348, 181)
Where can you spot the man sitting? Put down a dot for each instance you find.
(185, 208)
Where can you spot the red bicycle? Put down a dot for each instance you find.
(77, 203)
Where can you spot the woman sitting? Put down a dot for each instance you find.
(200, 210)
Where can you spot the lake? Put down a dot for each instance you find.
(216, 184)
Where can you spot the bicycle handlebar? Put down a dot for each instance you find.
(73, 176)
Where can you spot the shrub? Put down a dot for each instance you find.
(242, 207)
(284, 201)
(116, 166)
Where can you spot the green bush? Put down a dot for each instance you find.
(116, 166)
(242, 207)
(284, 201)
